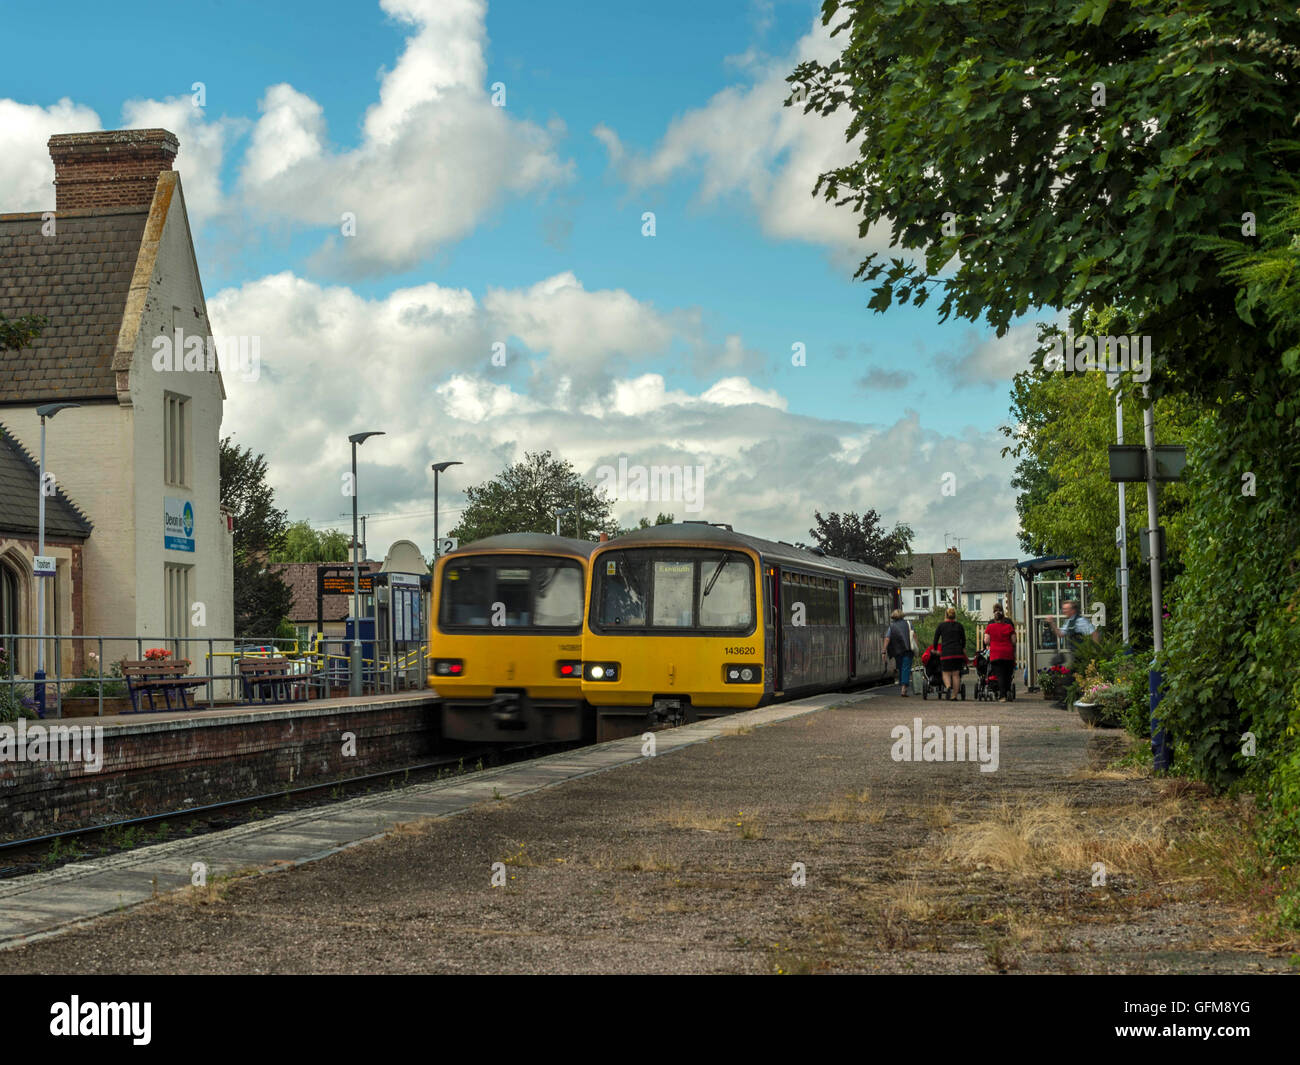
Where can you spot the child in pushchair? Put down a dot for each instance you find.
(932, 675)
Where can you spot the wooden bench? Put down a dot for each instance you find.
(271, 676)
(150, 678)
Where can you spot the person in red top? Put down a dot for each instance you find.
(1000, 639)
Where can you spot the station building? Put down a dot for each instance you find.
(136, 524)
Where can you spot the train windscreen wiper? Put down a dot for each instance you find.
(716, 574)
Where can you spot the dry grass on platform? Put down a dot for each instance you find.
(1051, 836)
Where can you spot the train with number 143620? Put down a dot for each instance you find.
(695, 620)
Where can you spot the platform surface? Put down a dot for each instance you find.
(793, 838)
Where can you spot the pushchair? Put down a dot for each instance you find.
(985, 683)
(932, 675)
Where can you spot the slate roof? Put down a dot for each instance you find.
(301, 579)
(987, 574)
(78, 279)
(20, 502)
(947, 569)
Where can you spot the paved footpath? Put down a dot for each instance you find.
(787, 839)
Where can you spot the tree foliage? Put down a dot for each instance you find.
(645, 523)
(862, 538)
(262, 599)
(1061, 427)
(524, 498)
(17, 333)
(302, 543)
(1130, 159)
(1077, 150)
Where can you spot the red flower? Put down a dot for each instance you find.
(157, 654)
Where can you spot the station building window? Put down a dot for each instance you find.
(9, 611)
(176, 580)
(176, 440)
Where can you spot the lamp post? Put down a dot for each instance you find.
(49, 410)
(1162, 751)
(354, 673)
(1121, 534)
(558, 512)
(438, 467)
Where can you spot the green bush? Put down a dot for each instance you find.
(1233, 637)
(11, 705)
(926, 625)
(89, 688)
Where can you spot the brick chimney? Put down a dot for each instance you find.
(112, 168)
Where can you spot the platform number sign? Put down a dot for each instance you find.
(447, 544)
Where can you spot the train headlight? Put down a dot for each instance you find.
(569, 670)
(742, 673)
(602, 671)
(448, 667)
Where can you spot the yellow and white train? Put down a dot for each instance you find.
(505, 641)
(695, 620)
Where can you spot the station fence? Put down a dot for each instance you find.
(322, 667)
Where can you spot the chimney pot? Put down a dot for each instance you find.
(109, 168)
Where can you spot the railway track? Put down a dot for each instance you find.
(20, 857)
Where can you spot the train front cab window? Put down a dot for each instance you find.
(675, 588)
(519, 592)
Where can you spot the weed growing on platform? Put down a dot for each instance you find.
(60, 852)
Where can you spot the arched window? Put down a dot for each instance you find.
(9, 611)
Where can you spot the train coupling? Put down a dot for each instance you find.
(667, 712)
(508, 711)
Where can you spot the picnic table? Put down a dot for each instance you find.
(151, 678)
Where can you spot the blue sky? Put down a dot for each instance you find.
(523, 224)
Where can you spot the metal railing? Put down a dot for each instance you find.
(321, 668)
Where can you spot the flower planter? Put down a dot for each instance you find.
(88, 706)
(1093, 714)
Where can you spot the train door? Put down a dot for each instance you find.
(853, 629)
(772, 579)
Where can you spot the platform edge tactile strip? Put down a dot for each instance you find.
(353, 821)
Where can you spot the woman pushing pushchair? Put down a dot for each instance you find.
(950, 643)
(1000, 639)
